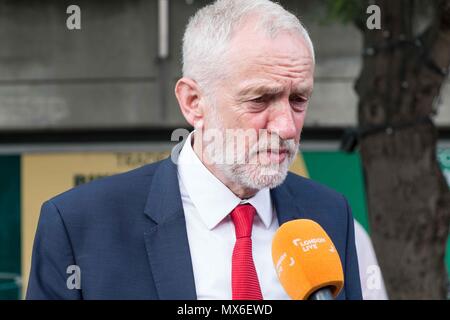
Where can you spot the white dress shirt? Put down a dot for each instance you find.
(207, 203)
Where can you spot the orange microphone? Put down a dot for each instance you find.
(306, 261)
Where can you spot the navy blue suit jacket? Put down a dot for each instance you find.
(127, 234)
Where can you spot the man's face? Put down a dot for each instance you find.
(267, 89)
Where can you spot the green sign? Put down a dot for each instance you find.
(9, 227)
(444, 161)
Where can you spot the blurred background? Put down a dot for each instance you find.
(79, 104)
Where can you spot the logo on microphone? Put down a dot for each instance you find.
(279, 266)
(310, 244)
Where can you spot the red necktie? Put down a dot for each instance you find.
(244, 281)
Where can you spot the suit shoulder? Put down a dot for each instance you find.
(310, 188)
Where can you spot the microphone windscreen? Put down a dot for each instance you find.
(306, 259)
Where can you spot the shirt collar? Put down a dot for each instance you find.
(212, 199)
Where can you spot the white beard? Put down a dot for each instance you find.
(257, 176)
(246, 173)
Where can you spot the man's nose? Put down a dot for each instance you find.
(283, 123)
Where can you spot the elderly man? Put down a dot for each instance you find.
(199, 225)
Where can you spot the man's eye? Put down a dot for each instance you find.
(262, 99)
(299, 103)
(298, 99)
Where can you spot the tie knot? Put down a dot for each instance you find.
(242, 217)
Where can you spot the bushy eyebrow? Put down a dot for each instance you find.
(303, 89)
(265, 89)
(260, 89)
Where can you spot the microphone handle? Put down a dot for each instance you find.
(321, 294)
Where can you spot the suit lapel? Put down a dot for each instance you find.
(287, 207)
(166, 237)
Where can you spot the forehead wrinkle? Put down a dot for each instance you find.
(286, 58)
(289, 74)
(274, 74)
(285, 76)
(294, 69)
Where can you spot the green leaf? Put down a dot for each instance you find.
(344, 11)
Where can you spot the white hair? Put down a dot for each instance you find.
(209, 31)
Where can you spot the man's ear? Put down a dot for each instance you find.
(189, 98)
